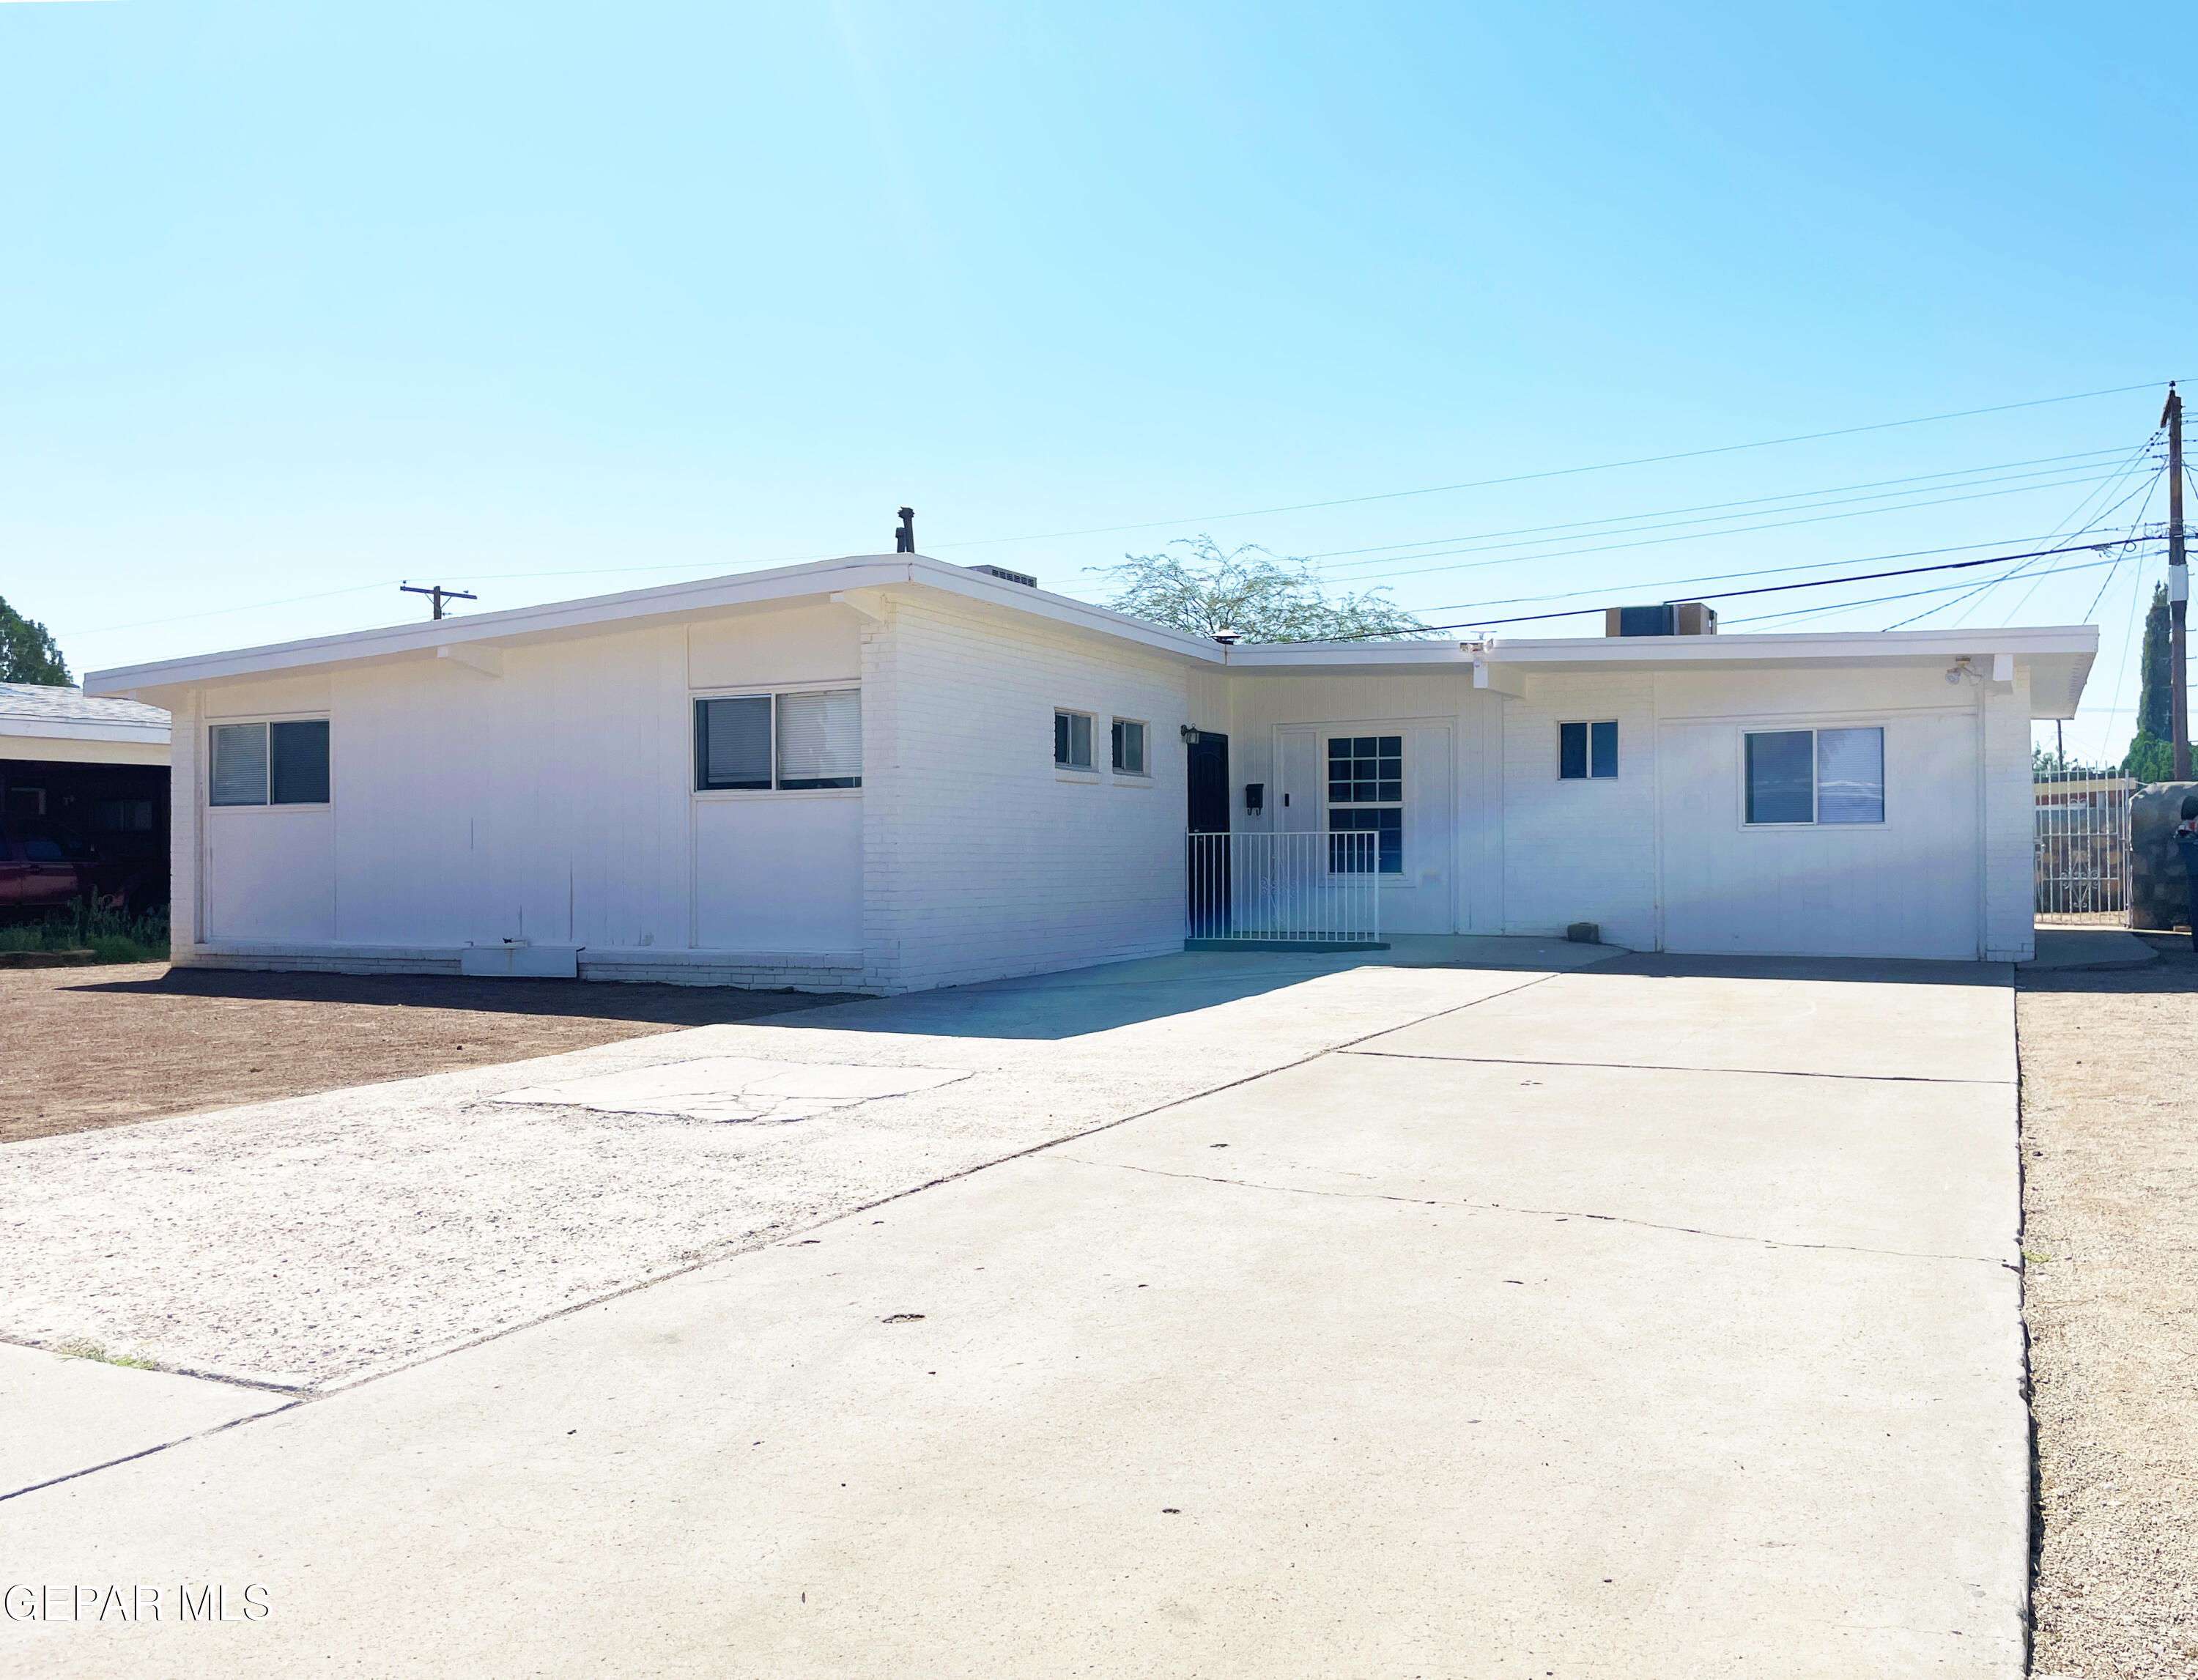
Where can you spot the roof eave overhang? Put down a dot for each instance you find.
(787, 586)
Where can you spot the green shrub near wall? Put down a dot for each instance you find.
(114, 936)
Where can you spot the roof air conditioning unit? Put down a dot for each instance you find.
(1670, 618)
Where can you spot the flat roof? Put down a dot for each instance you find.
(2059, 656)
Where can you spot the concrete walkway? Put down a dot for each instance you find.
(1650, 1319)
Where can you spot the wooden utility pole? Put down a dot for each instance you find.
(440, 594)
(2179, 588)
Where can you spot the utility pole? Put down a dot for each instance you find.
(2178, 587)
(442, 595)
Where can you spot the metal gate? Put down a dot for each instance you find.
(2081, 851)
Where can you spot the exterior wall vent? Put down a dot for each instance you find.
(1670, 618)
(1002, 571)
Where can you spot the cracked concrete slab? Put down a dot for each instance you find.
(1763, 1158)
(1091, 1410)
(66, 1416)
(730, 1088)
(1884, 1021)
(325, 1238)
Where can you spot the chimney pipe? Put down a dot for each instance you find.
(904, 538)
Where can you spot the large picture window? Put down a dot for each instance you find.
(269, 763)
(1823, 777)
(1366, 804)
(795, 742)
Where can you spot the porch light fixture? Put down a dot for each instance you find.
(1189, 734)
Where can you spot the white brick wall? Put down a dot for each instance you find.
(980, 859)
(1580, 851)
(2011, 919)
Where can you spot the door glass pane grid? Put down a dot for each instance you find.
(1349, 854)
(1365, 769)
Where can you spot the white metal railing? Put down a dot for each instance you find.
(1302, 887)
(2081, 850)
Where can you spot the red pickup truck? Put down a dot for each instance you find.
(45, 864)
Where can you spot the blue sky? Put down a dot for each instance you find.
(550, 300)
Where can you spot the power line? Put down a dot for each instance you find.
(1772, 589)
(1396, 551)
(1914, 595)
(2141, 490)
(1557, 472)
(1730, 530)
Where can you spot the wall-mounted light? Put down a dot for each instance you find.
(1189, 733)
(1958, 670)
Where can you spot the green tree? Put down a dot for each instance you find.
(1195, 585)
(27, 653)
(2151, 755)
(2153, 700)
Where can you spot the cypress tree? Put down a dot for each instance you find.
(2153, 702)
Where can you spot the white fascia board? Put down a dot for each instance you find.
(33, 730)
(814, 578)
(1350, 656)
(1858, 648)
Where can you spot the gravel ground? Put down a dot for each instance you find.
(321, 1239)
(2110, 1159)
(101, 1047)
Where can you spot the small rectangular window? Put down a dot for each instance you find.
(1129, 747)
(820, 739)
(1822, 776)
(270, 764)
(238, 776)
(1071, 740)
(298, 763)
(732, 742)
(1587, 751)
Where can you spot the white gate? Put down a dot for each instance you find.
(2081, 854)
(1299, 888)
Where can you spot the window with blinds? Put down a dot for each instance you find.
(269, 763)
(820, 739)
(794, 742)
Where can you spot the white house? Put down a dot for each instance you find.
(886, 772)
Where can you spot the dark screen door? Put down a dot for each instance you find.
(1206, 814)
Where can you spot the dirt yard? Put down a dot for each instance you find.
(2110, 1160)
(99, 1047)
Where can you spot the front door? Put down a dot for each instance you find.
(1207, 818)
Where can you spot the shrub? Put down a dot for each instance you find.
(113, 935)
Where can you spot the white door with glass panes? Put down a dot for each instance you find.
(1837, 836)
(1381, 792)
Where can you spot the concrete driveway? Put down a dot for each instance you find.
(1641, 1320)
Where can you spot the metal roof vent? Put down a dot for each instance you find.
(1002, 571)
(1670, 618)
